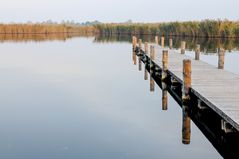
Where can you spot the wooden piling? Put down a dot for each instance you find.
(197, 52)
(186, 126)
(146, 47)
(152, 52)
(221, 57)
(164, 96)
(186, 79)
(170, 43)
(162, 41)
(140, 44)
(134, 41)
(156, 40)
(183, 47)
(165, 64)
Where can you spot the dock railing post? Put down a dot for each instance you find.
(140, 44)
(221, 57)
(170, 43)
(162, 41)
(152, 52)
(197, 52)
(165, 64)
(156, 40)
(152, 56)
(186, 80)
(134, 41)
(183, 46)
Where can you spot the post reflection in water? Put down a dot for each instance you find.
(134, 57)
(145, 73)
(140, 64)
(186, 128)
(152, 84)
(164, 96)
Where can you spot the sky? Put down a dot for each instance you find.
(117, 11)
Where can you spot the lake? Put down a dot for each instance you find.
(83, 97)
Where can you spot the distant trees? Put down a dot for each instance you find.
(206, 28)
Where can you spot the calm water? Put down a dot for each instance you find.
(81, 98)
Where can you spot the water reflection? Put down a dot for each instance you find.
(164, 96)
(208, 45)
(39, 37)
(186, 128)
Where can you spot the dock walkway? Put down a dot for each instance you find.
(218, 88)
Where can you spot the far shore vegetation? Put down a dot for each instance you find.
(205, 28)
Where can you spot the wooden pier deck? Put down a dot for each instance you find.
(217, 88)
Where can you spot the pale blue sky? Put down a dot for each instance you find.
(117, 11)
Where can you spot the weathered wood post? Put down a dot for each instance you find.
(197, 52)
(152, 57)
(165, 64)
(146, 47)
(152, 52)
(164, 96)
(186, 128)
(221, 57)
(156, 40)
(183, 46)
(186, 80)
(134, 40)
(170, 43)
(140, 44)
(162, 41)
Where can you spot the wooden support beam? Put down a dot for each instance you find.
(156, 40)
(197, 52)
(170, 43)
(183, 47)
(165, 64)
(140, 44)
(186, 79)
(162, 41)
(221, 57)
(134, 41)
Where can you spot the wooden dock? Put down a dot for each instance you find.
(217, 88)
